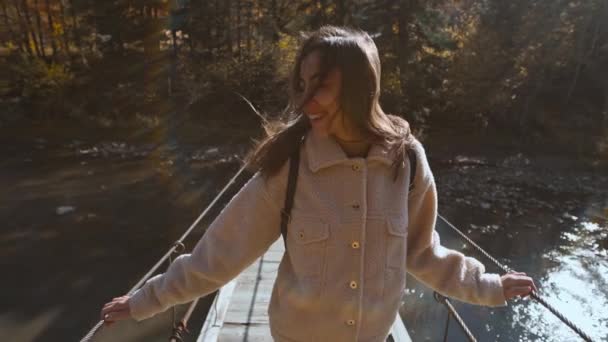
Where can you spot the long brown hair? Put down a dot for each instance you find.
(355, 54)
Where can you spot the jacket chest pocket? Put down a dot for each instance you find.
(396, 242)
(306, 244)
(385, 245)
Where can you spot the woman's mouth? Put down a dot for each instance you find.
(314, 110)
(314, 116)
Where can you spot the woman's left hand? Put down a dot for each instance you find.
(116, 310)
(517, 284)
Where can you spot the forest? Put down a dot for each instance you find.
(120, 120)
(526, 68)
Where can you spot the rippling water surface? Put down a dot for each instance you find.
(82, 221)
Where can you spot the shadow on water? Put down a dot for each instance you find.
(82, 222)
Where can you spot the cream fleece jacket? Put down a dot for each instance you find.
(353, 235)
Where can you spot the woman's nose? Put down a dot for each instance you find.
(312, 107)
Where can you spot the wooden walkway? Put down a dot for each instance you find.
(239, 311)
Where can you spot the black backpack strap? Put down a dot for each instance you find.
(294, 163)
(413, 165)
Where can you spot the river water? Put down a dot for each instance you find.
(84, 217)
(546, 215)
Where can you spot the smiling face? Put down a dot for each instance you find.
(323, 109)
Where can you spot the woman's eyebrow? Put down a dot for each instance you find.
(317, 75)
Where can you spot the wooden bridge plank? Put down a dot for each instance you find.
(242, 314)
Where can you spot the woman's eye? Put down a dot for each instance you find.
(301, 87)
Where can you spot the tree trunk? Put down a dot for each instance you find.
(28, 21)
(206, 31)
(220, 29)
(49, 17)
(24, 32)
(39, 28)
(341, 12)
(238, 29)
(322, 12)
(75, 32)
(214, 30)
(318, 17)
(64, 29)
(248, 27)
(258, 33)
(229, 28)
(151, 34)
(274, 15)
(29, 28)
(7, 23)
(403, 41)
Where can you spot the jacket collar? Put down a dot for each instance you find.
(324, 151)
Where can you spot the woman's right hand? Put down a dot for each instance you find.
(517, 284)
(116, 310)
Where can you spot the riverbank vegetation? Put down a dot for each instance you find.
(525, 68)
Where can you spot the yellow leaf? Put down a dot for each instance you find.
(57, 29)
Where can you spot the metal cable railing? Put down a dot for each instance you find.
(533, 294)
(178, 244)
(180, 328)
(452, 312)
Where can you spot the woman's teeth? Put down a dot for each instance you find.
(314, 116)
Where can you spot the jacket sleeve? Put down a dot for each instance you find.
(242, 232)
(447, 271)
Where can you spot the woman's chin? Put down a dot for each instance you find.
(319, 130)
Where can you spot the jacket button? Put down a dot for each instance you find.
(355, 244)
(301, 235)
(350, 322)
(353, 284)
(356, 206)
(356, 167)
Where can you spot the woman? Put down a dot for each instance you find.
(355, 227)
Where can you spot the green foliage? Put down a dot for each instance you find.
(214, 88)
(41, 80)
(44, 86)
(522, 64)
(432, 25)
